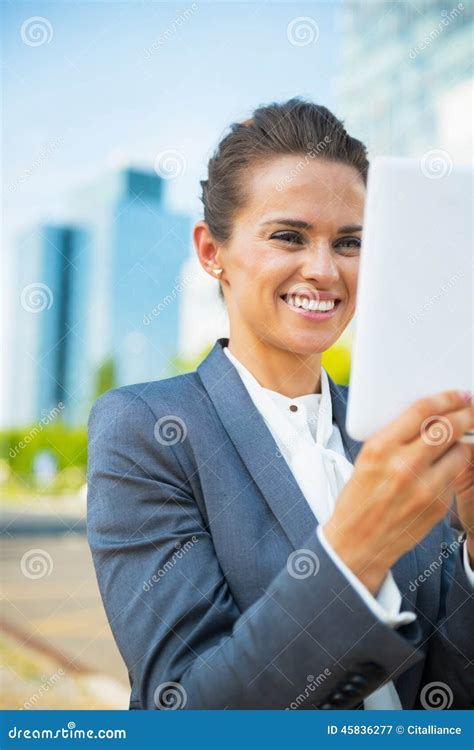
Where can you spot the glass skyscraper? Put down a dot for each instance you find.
(103, 289)
(49, 356)
(400, 62)
(138, 249)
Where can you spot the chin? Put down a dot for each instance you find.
(305, 344)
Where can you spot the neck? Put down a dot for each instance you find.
(289, 373)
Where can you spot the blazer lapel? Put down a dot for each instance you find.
(339, 408)
(256, 446)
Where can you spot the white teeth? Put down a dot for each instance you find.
(314, 305)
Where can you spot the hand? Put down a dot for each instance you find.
(403, 481)
(465, 499)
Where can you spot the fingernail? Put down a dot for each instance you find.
(466, 396)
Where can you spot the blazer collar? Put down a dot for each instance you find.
(259, 451)
(256, 445)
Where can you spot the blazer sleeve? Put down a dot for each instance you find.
(448, 676)
(307, 642)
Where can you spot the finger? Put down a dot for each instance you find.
(406, 427)
(436, 436)
(442, 476)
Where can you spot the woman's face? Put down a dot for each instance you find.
(295, 245)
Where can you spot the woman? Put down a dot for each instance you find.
(249, 553)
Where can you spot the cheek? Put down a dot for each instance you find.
(267, 268)
(349, 270)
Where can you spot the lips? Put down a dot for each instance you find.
(310, 294)
(311, 303)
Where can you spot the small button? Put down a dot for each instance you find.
(338, 698)
(350, 690)
(371, 669)
(358, 680)
(293, 407)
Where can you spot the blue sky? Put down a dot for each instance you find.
(94, 89)
(118, 83)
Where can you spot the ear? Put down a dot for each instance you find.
(206, 247)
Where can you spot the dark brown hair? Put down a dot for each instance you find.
(296, 126)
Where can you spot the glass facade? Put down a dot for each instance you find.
(104, 289)
(49, 355)
(400, 59)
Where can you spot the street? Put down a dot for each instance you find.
(52, 605)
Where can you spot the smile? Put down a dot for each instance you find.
(311, 308)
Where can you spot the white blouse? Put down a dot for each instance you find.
(312, 446)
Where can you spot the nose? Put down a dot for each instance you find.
(320, 265)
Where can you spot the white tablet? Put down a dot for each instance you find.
(413, 326)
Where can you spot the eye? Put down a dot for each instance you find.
(349, 245)
(291, 238)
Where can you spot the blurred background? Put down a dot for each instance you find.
(110, 114)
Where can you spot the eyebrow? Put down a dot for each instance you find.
(300, 224)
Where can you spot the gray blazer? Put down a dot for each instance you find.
(193, 516)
